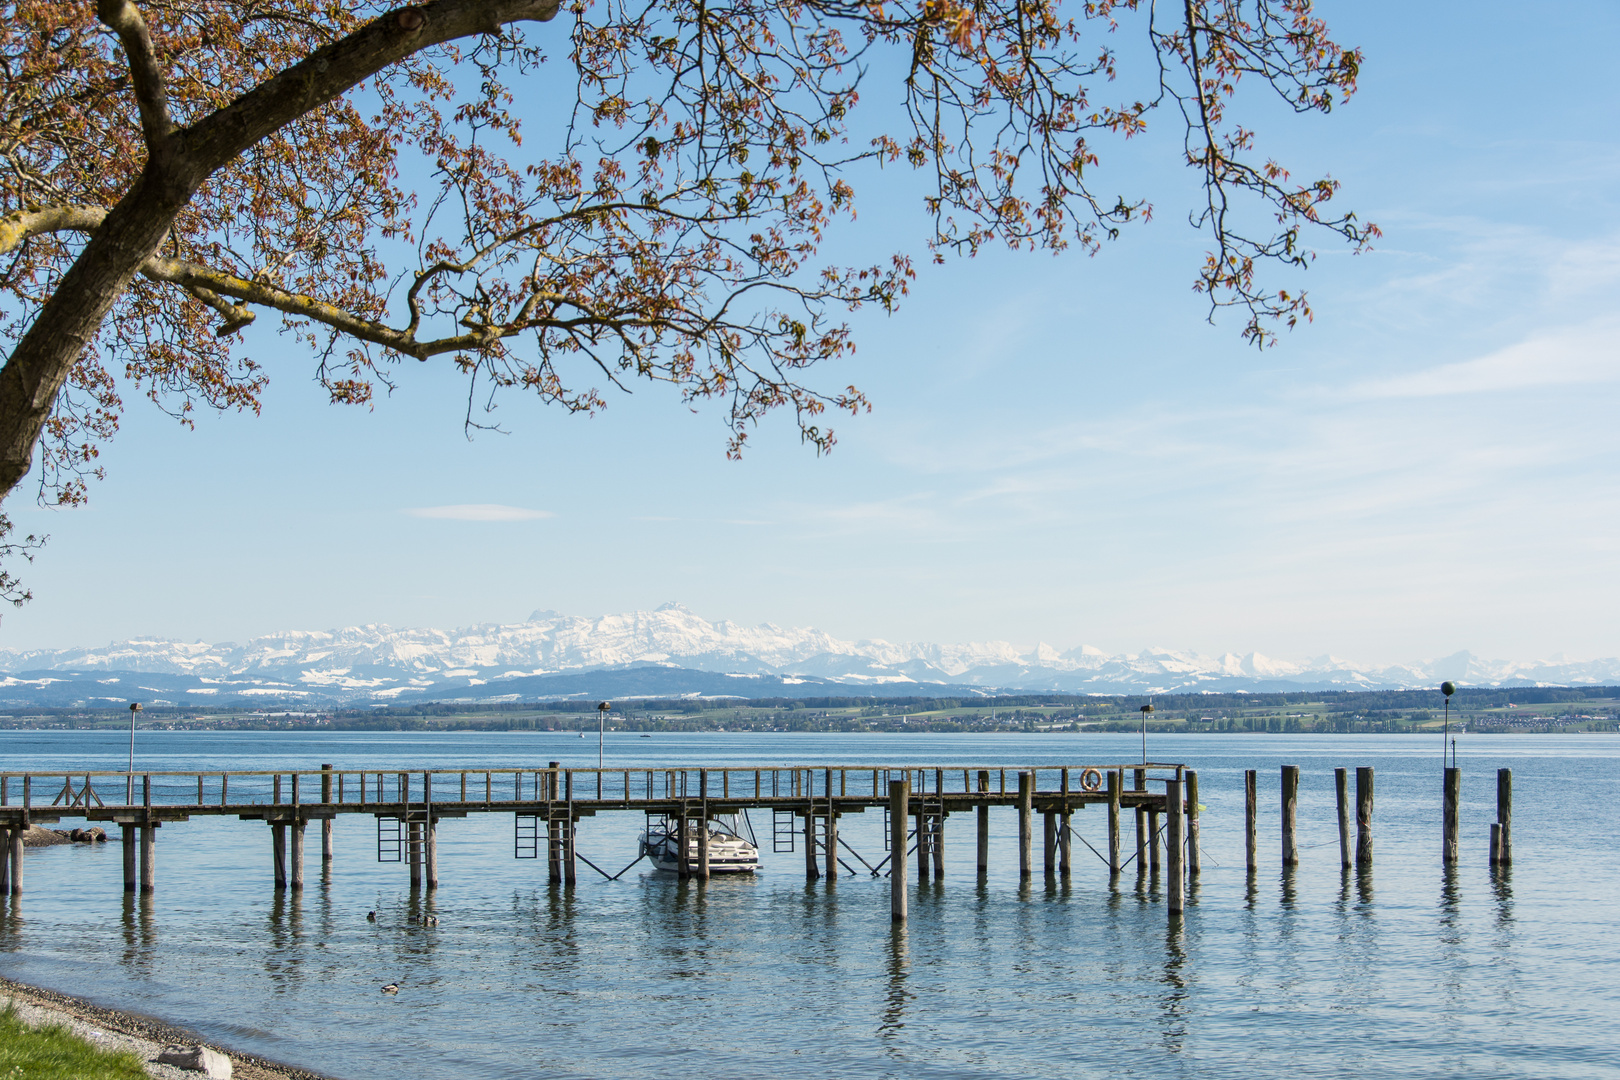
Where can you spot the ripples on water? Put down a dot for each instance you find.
(1406, 971)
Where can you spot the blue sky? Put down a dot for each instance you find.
(1061, 450)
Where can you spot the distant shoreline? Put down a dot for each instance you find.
(930, 710)
(148, 1034)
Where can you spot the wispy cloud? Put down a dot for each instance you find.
(1585, 356)
(478, 512)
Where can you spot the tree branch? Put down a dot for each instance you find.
(131, 232)
(124, 19)
(210, 285)
(19, 226)
(337, 68)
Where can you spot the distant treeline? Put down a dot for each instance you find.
(1344, 700)
(1332, 711)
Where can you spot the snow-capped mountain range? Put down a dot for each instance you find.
(673, 651)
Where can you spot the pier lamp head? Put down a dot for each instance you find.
(134, 707)
(604, 706)
(1147, 709)
(1448, 688)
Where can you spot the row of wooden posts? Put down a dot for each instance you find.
(1182, 853)
(1501, 843)
(1181, 829)
(1180, 842)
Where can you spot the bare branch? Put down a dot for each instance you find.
(125, 20)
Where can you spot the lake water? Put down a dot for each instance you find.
(1408, 971)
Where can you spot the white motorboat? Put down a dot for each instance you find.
(732, 847)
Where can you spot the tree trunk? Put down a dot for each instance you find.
(180, 161)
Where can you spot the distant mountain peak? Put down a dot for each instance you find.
(376, 662)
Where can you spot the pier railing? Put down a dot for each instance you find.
(76, 792)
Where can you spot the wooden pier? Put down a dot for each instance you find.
(805, 804)
(547, 805)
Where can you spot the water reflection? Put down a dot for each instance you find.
(283, 957)
(1452, 938)
(139, 933)
(1293, 939)
(1507, 963)
(11, 920)
(897, 996)
(983, 931)
(1173, 1003)
(1502, 892)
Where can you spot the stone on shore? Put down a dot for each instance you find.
(211, 1063)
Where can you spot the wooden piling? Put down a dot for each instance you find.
(1141, 840)
(1174, 839)
(1504, 815)
(431, 844)
(938, 846)
(278, 853)
(812, 872)
(569, 842)
(1195, 861)
(413, 851)
(1026, 823)
(326, 822)
(1341, 791)
(1452, 798)
(832, 846)
(570, 866)
(1153, 839)
(297, 875)
(1065, 842)
(1290, 802)
(703, 849)
(5, 860)
(14, 842)
(129, 839)
(1116, 782)
(148, 858)
(1251, 807)
(1049, 843)
(898, 792)
(924, 829)
(1496, 843)
(683, 863)
(984, 824)
(1364, 813)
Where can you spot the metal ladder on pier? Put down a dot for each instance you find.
(784, 831)
(526, 836)
(390, 838)
(393, 830)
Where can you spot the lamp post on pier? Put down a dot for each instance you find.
(1145, 710)
(129, 784)
(601, 726)
(1448, 688)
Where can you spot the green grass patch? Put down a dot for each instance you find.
(55, 1053)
